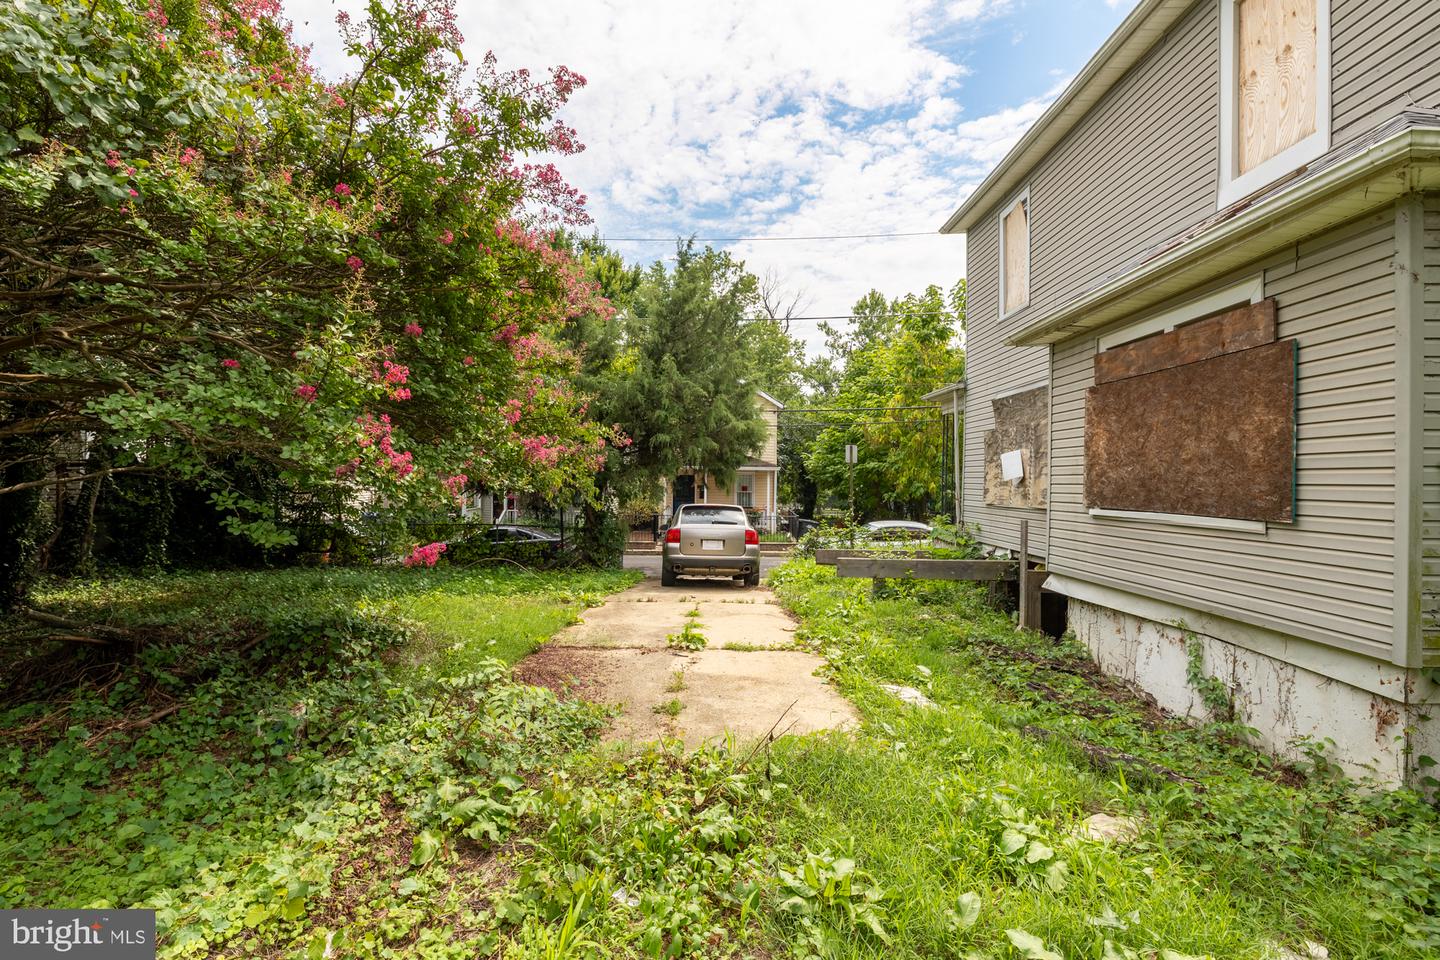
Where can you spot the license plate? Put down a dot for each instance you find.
(712, 544)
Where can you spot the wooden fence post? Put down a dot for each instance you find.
(1027, 616)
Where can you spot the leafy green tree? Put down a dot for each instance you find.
(680, 381)
(890, 355)
(213, 260)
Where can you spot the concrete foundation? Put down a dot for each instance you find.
(1378, 735)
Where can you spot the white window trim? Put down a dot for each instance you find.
(1236, 186)
(1181, 520)
(1250, 290)
(1022, 197)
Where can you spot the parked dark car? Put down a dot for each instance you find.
(531, 541)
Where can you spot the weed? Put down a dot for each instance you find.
(689, 638)
(670, 708)
(677, 681)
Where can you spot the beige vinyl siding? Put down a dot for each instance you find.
(1330, 575)
(770, 450)
(992, 369)
(1386, 57)
(1138, 170)
(1430, 462)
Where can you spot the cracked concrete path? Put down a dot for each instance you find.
(747, 677)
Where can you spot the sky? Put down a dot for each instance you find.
(785, 118)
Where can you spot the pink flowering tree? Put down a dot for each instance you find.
(218, 262)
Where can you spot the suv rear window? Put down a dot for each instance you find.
(692, 514)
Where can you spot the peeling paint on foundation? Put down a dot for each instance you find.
(1374, 735)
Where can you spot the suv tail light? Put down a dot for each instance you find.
(751, 538)
(672, 535)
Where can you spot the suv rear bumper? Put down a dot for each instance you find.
(687, 566)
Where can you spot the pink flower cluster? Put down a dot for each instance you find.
(545, 451)
(414, 329)
(377, 434)
(342, 190)
(229, 363)
(447, 238)
(112, 159)
(511, 412)
(188, 156)
(455, 485)
(354, 263)
(395, 373)
(426, 556)
(306, 392)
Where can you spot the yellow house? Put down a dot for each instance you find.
(757, 481)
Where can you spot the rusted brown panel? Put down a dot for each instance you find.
(1240, 329)
(1022, 422)
(1215, 438)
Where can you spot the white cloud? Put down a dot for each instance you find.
(760, 119)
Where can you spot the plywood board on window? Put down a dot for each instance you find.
(1214, 438)
(1022, 422)
(1017, 256)
(1240, 329)
(1277, 82)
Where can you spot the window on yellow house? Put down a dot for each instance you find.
(745, 490)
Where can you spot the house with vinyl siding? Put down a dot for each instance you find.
(756, 485)
(1203, 361)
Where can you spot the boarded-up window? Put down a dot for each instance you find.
(1197, 421)
(1278, 76)
(1015, 256)
(1017, 452)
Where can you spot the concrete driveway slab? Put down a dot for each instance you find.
(618, 655)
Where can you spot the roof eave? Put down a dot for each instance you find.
(1404, 163)
(1137, 33)
(941, 392)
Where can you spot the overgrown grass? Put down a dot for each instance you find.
(316, 733)
(353, 773)
(1239, 857)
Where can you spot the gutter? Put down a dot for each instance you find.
(1373, 177)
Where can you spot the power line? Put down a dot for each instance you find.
(854, 316)
(838, 236)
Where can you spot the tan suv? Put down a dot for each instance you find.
(711, 540)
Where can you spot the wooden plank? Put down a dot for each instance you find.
(1276, 53)
(1017, 256)
(900, 568)
(1252, 325)
(1027, 615)
(826, 556)
(1214, 438)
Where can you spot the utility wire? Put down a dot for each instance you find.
(854, 316)
(839, 236)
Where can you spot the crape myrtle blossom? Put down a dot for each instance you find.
(340, 205)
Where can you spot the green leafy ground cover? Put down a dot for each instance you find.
(980, 798)
(354, 773)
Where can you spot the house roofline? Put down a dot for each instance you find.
(1134, 38)
(1376, 176)
(770, 399)
(940, 392)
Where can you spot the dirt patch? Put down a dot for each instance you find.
(564, 670)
